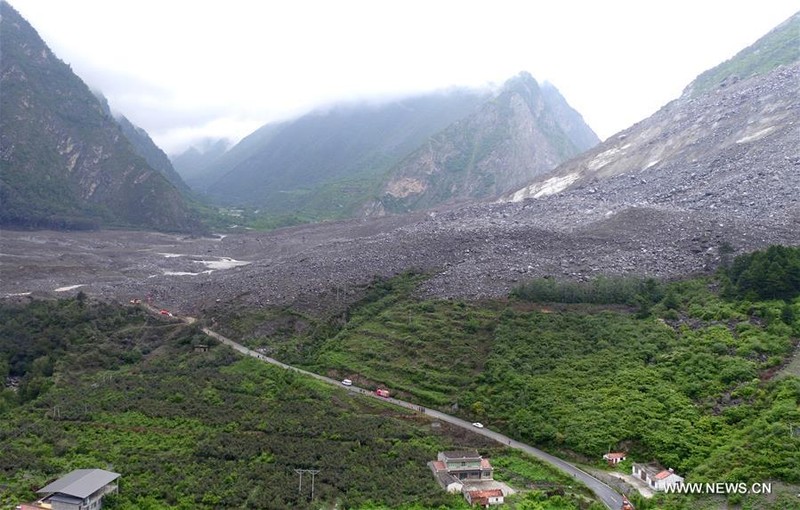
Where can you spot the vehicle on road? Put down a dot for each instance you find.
(166, 312)
(382, 393)
(347, 382)
(478, 425)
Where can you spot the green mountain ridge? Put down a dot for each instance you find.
(193, 162)
(352, 159)
(65, 161)
(155, 157)
(283, 167)
(523, 132)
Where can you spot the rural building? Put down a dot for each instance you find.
(82, 489)
(655, 477)
(614, 458)
(471, 475)
(466, 465)
(484, 498)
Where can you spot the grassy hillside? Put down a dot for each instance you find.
(110, 387)
(670, 372)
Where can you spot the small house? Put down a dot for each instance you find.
(614, 458)
(484, 498)
(655, 477)
(81, 489)
(466, 465)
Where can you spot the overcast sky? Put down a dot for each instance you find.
(188, 69)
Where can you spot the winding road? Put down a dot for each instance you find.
(606, 494)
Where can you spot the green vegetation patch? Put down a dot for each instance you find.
(191, 429)
(679, 373)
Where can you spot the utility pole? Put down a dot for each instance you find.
(300, 472)
(313, 473)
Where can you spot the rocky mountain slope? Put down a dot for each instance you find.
(152, 154)
(65, 161)
(704, 150)
(519, 134)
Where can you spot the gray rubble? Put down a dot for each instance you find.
(668, 219)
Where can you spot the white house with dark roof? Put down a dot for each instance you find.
(82, 489)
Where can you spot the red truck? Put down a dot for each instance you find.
(382, 393)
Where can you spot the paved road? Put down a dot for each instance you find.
(606, 494)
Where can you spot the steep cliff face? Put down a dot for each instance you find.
(520, 133)
(65, 162)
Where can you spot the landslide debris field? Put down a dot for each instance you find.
(683, 187)
(474, 252)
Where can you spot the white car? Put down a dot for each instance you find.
(347, 382)
(478, 425)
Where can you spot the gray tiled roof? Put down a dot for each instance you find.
(464, 454)
(80, 483)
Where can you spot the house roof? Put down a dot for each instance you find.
(463, 454)
(651, 469)
(63, 498)
(485, 464)
(663, 474)
(487, 493)
(615, 455)
(438, 465)
(447, 479)
(80, 483)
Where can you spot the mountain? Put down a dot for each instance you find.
(65, 161)
(145, 146)
(194, 161)
(523, 132)
(330, 162)
(152, 154)
(733, 148)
